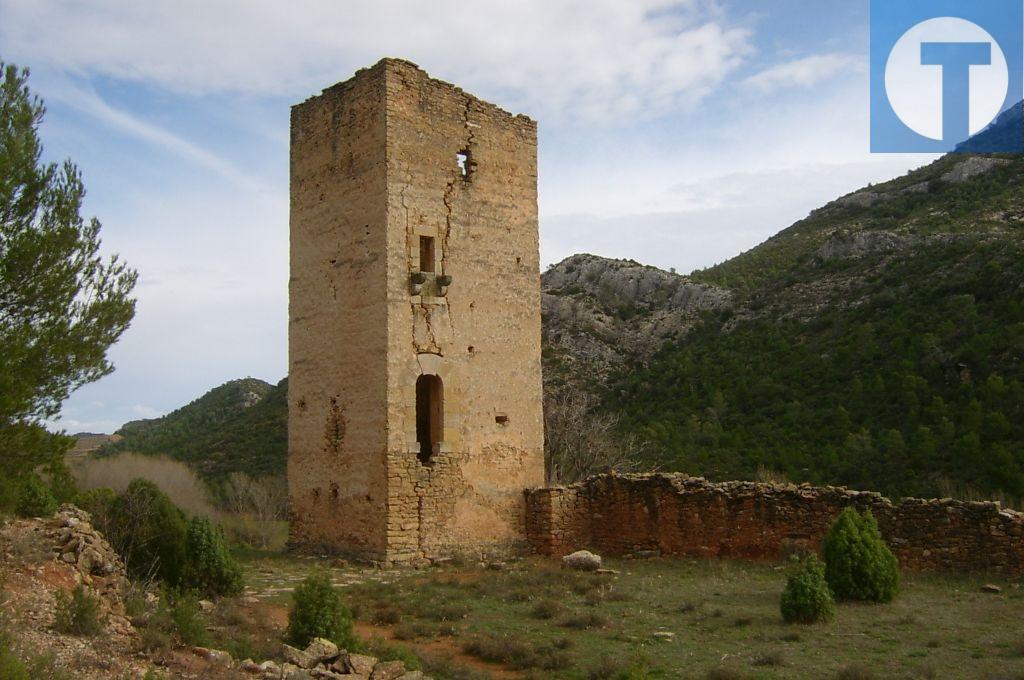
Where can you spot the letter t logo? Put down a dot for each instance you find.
(956, 60)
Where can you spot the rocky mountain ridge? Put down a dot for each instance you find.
(601, 312)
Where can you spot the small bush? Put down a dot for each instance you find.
(585, 621)
(35, 498)
(774, 658)
(807, 598)
(858, 564)
(387, 616)
(211, 568)
(77, 613)
(547, 609)
(188, 620)
(516, 653)
(317, 611)
(855, 672)
(150, 533)
(386, 651)
(11, 667)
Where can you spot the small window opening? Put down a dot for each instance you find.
(429, 415)
(465, 163)
(501, 419)
(426, 253)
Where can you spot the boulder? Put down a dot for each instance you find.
(269, 669)
(250, 666)
(358, 664)
(297, 657)
(321, 651)
(388, 670)
(218, 656)
(582, 560)
(293, 672)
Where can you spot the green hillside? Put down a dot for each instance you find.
(241, 426)
(877, 343)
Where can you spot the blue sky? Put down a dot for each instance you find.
(675, 133)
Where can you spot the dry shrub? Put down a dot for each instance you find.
(260, 510)
(174, 478)
(581, 440)
(770, 476)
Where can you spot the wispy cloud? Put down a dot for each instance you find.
(805, 72)
(88, 102)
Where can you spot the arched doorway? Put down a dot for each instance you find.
(429, 415)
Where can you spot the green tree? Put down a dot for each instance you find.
(858, 563)
(62, 305)
(35, 498)
(149, 532)
(211, 568)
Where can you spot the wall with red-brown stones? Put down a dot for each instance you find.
(678, 515)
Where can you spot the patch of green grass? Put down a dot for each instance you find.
(725, 617)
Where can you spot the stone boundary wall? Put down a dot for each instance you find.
(619, 515)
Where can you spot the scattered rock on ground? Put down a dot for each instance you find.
(582, 560)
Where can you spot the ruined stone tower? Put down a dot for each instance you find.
(414, 397)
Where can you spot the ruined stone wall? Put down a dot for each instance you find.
(481, 335)
(337, 333)
(680, 515)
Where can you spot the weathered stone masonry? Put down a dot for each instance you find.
(414, 333)
(680, 515)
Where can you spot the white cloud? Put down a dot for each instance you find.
(581, 59)
(805, 72)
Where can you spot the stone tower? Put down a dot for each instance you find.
(414, 398)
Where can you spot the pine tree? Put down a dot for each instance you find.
(62, 305)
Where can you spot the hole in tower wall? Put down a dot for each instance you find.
(429, 415)
(464, 161)
(427, 256)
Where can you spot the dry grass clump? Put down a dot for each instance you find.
(516, 653)
(172, 477)
(585, 621)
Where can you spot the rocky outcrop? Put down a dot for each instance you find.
(600, 311)
(42, 558)
(75, 542)
(844, 244)
(322, 659)
(972, 167)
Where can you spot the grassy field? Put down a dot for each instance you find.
(717, 619)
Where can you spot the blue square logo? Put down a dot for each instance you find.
(944, 70)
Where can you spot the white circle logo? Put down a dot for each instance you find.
(915, 90)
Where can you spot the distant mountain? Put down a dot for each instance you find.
(240, 426)
(878, 343)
